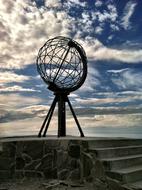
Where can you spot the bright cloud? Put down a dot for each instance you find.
(128, 12)
(129, 80)
(26, 27)
(16, 88)
(8, 76)
(98, 101)
(97, 51)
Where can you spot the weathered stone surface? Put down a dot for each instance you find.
(63, 174)
(1, 147)
(32, 165)
(64, 145)
(9, 149)
(48, 173)
(47, 161)
(5, 163)
(19, 174)
(113, 184)
(32, 174)
(75, 175)
(74, 151)
(20, 163)
(26, 157)
(34, 151)
(4, 175)
(49, 146)
(74, 163)
(100, 185)
(87, 164)
(62, 159)
(98, 170)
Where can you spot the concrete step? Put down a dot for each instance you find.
(113, 142)
(126, 175)
(136, 186)
(113, 152)
(122, 162)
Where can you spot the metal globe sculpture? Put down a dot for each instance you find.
(62, 64)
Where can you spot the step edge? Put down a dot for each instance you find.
(121, 158)
(114, 148)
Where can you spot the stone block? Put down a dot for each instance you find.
(19, 174)
(48, 173)
(74, 163)
(62, 159)
(114, 184)
(63, 174)
(5, 175)
(101, 185)
(32, 165)
(20, 163)
(87, 164)
(9, 149)
(49, 146)
(74, 151)
(32, 174)
(34, 149)
(5, 163)
(47, 161)
(1, 147)
(64, 144)
(75, 175)
(98, 170)
(26, 157)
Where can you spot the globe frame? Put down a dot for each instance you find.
(61, 91)
(42, 65)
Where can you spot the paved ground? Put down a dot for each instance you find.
(36, 184)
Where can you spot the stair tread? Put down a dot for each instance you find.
(115, 148)
(128, 169)
(122, 157)
(137, 184)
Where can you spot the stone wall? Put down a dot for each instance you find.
(49, 159)
(63, 159)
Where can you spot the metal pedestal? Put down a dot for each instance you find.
(61, 99)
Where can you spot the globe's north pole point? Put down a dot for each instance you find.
(62, 64)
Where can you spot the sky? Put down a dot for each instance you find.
(110, 33)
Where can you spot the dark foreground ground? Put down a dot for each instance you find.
(38, 184)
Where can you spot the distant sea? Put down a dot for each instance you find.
(128, 132)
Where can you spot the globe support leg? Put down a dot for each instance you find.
(61, 115)
(61, 99)
(75, 118)
(48, 118)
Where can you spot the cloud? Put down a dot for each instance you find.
(72, 3)
(98, 30)
(101, 101)
(98, 3)
(14, 101)
(95, 50)
(9, 76)
(26, 112)
(117, 71)
(128, 12)
(17, 88)
(53, 3)
(23, 25)
(128, 79)
(23, 28)
(110, 120)
(93, 79)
